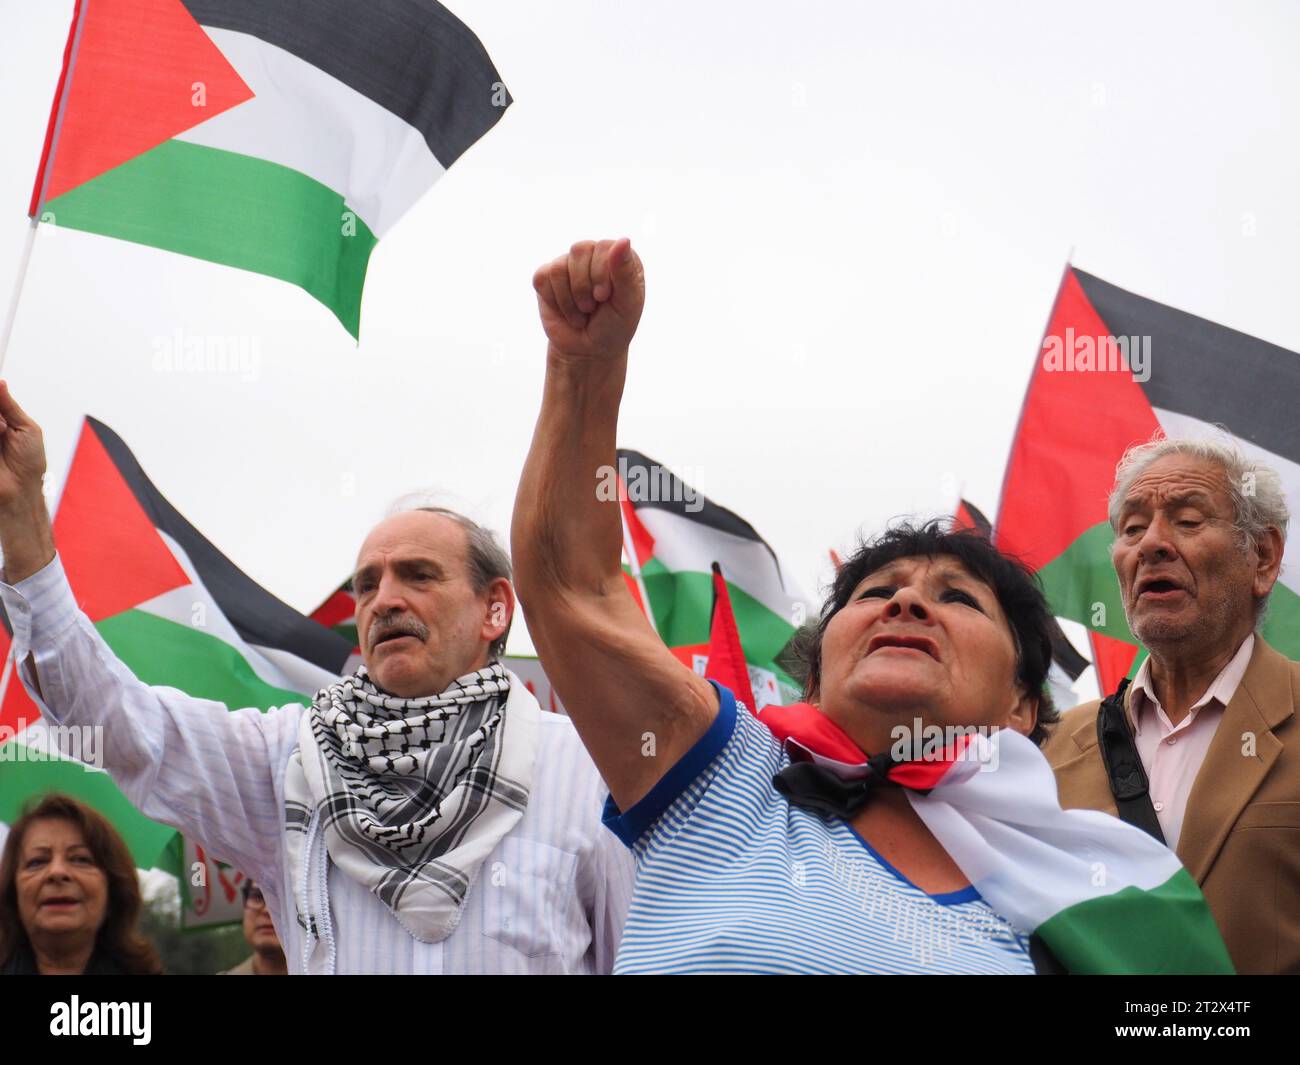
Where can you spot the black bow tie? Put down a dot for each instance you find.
(821, 790)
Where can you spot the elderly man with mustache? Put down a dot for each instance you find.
(423, 815)
(1202, 748)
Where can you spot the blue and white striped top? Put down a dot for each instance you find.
(732, 878)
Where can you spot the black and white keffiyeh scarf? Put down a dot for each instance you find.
(410, 795)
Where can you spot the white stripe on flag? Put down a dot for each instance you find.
(311, 122)
(272, 666)
(686, 546)
(1010, 819)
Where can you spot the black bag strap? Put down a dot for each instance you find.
(1128, 780)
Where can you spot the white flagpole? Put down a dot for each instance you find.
(18, 291)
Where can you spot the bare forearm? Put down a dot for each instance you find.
(567, 529)
(635, 706)
(26, 540)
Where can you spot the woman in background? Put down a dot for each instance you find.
(69, 896)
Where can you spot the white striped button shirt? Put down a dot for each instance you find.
(551, 898)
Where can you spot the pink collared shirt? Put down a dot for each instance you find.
(1172, 754)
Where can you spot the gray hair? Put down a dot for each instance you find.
(488, 561)
(1255, 488)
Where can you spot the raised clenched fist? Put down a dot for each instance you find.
(591, 299)
(26, 540)
(22, 453)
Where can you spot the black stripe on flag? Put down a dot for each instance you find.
(413, 57)
(258, 616)
(1207, 371)
(675, 494)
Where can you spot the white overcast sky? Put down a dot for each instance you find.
(854, 217)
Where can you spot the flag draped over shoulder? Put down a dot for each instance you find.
(1114, 368)
(673, 537)
(1102, 895)
(276, 136)
(175, 611)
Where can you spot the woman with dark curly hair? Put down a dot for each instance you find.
(69, 896)
(900, 820)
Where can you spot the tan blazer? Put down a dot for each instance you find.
(1241, 832)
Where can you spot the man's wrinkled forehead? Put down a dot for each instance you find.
(1178, 481)
(413, 538)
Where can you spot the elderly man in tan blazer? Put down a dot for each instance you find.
(1204, 746)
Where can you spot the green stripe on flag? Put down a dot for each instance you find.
(29, 773)
(1165, 930)
(1081, 585)
(683, 603)
(231, 209)
(161, 652)
(1281, 628)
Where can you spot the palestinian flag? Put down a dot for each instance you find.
(1067, 664)
(175, 611)
(339, 613)
(673, 536)
(272, 135)
(726, 662)
(1103, 896)
(1114, 369)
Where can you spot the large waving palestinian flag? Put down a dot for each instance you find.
(1089, 399)
(175, 611)
(273, 135)
(673, 537)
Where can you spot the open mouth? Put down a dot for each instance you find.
(905, 643)
(391, 636)
(1158, 588)
(59, 902)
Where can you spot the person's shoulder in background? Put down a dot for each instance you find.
(244, 968)
(1061, 745)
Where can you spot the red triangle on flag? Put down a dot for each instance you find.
(635, 533)
(726, 656)
(339, 607)
(1113, 659)
(113, 556)
(142, 71)
(18, 710)
(1073, 429)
